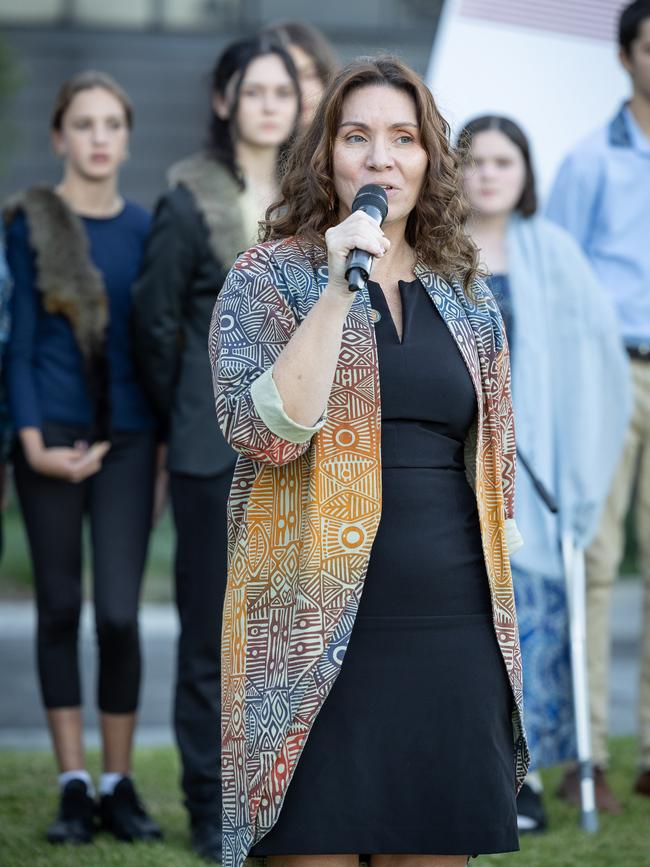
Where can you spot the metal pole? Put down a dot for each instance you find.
(574, 570)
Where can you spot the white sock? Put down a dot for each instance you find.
(108, 782)
(534, 780)
(81, 774)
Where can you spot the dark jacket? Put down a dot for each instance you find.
(69, 357)
(196, 236)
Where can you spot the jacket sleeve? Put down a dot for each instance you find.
(253, 321)
(159, 297)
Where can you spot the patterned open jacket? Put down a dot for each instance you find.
(304, 510)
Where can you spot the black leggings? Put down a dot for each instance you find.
(119, 502)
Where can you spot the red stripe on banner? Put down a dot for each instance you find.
(594, 19)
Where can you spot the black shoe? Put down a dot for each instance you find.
(75, 822)
(206, 841)
(123, 815)
(531, 815)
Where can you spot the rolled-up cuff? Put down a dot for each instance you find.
(268, 404)
(514, 539)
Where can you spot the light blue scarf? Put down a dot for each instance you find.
(571, 389)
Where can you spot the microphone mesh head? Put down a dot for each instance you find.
(371, 195)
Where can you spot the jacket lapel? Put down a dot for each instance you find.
(447, 301)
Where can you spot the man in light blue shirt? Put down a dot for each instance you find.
(602, 196)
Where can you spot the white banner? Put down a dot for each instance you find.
(550, 65)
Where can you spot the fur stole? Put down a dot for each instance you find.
(216, 194)
(69, 282)
(65, 275)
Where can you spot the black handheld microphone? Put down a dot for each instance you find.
(372, 200)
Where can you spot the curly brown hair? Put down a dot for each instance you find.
(309, 205)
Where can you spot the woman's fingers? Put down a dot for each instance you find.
(94, 455)
(99, 449)
(80, 471)
(360, 231)
(341, 239)
(65, 453)
(365, 241)
(358, 225)
(90, 461)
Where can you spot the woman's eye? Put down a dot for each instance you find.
(82, 124)
(115, 123)
(355, 138)
(405, 139)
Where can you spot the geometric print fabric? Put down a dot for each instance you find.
(303, 517)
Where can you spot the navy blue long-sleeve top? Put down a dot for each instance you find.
(44, 366)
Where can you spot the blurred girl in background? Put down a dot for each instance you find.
(210, 214)
(86, 441)
(314, 59)
(568, 370)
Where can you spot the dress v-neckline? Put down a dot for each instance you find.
(379, 293)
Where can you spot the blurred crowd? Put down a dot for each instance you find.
(107, 409)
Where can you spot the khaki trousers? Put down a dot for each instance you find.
(603, 560)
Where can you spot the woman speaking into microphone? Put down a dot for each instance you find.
(371, 666)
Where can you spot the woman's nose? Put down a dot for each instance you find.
(270, 104)
(487, 171)
(100, 134)
(379, 154)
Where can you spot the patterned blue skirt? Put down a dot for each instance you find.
(543, 616)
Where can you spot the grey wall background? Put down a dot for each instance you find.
(166, 73)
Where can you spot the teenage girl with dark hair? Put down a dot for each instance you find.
(314, 58)
(86, 441)
(568, 370)
(200, 226)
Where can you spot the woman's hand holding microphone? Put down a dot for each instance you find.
(357, 231)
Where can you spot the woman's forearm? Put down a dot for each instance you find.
(31, 440)
(304, 370)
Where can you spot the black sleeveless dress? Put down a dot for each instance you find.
(413, 751)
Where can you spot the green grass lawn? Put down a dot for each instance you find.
(623, 841)
(28, 802)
